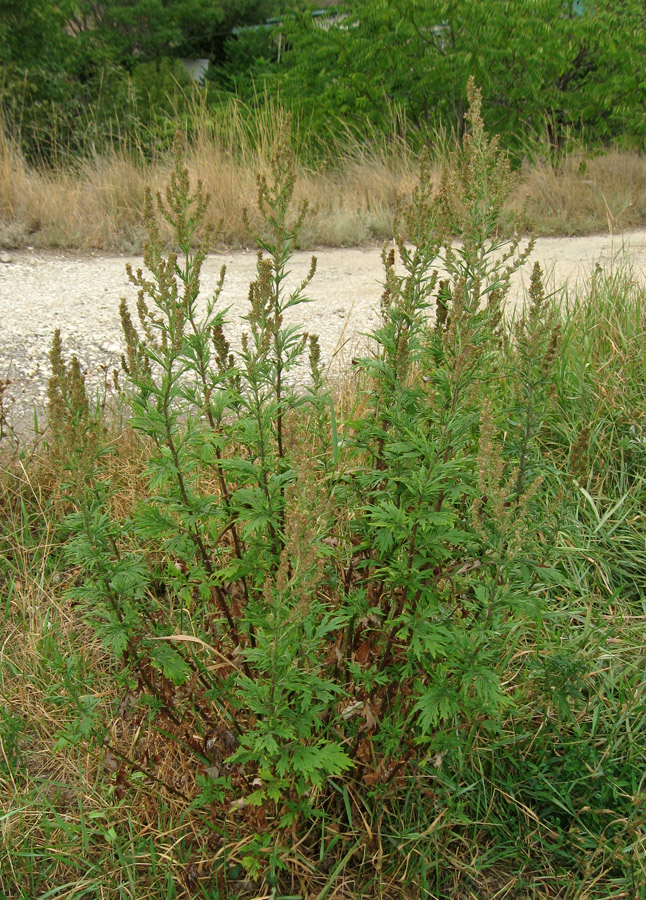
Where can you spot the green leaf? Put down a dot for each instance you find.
(168, 661)
(438, 703)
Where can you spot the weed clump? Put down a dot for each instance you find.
(343, 640)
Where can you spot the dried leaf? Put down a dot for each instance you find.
(369, 716)
(362, 653)
(352, 709)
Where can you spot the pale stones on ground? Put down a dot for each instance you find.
(5, 258)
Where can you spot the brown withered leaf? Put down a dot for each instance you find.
(110, 761)
(121, 783)
(229, 740)
(372, 778)
(405, 688)
(364, 752)
(369, 716)
(362, 653)
(127, 703)
(334, 654)
(260, 820)
(210, 745)
(372, 620)
(191, 876)
(214, 841)
(351, 709)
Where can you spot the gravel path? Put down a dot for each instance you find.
(40, 292)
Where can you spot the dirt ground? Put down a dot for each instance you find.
(80, 295)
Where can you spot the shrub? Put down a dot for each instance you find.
(326, 617)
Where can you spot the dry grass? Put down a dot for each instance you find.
(97, 203)
(604, 193)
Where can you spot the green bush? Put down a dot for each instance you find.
(552, 69)
(60, 118)
(368, 634)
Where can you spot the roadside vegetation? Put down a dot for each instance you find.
(91, 95)
(96, 203)
(377, 638)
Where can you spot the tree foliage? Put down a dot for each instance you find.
(74, 74)
(31, 31)
(552, 65)
(555, 68)
(149, 29)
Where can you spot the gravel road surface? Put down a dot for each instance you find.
(80, 295)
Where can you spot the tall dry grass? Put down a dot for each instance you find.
(96, 203)
(605, 192)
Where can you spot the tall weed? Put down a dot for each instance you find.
(366, 640)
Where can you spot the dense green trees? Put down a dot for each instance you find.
(73, 73)
(543, 65)
(37, 31)
(548, 67)
(149, 29)
(31, 31)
